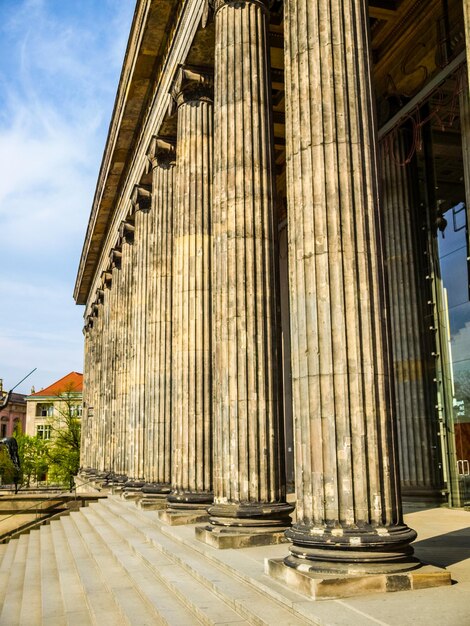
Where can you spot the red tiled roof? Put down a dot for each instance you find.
(73, 382)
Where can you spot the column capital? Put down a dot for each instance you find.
(106, 279)
(239, 4)
(141, 198)
(161, 152)
(99, 296)
(192, 84)
(115, 258)
(126, 232)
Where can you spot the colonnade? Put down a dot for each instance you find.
(182, 375)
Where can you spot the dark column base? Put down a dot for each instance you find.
(186, 507)
(356, 550)
(422, 497)
(154, 496)
(246, 524)
(132, 489)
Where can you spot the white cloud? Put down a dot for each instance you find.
(57, 87)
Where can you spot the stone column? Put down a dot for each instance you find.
(115, 278)
(348, 495)
(98, 400)
(159, 373)
(191, 394)
(87, 394)
(127, 343)
(414, 406)
(249, 485)
(140, 200)
(465, 118)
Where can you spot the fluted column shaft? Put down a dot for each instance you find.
(248, 464)
(110, 293)
(87, 394)
(347, 483)
(414, 405)
(465, 118)
(117, 280)
(138, 322)
(191, 395)
(98, 400)
(159, 331)
(127, 350)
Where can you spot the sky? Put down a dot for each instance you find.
(60, 62)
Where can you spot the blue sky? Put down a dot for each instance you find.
(60, 62)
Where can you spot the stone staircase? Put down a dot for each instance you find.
(111, 563)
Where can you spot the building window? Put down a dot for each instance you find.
(4, 430)
(76, 410)
(43, 431)
(45, 410)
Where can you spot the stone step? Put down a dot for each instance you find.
(52, 607)
(208, 608)
(96, 583)
(248, 565)
(73, 594)
(6, 567)
(31, 601)
(14, 588)
(241, 596)
(168, 608)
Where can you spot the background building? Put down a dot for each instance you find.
(13, 414)
(45, 407)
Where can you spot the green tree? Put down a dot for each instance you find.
(33, 458)
(7, 469)
(63, 449)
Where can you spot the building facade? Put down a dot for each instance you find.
(46, 409)
(275, 273)
(13, 415)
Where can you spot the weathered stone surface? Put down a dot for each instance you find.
(191, 411)
(413, 402)
(329, 587)
(248, 464)
(347, 483)
(159, 372)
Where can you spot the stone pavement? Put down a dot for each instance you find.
(443, 540)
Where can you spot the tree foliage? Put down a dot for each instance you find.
(63, 449)
(33, 458)
(7, 468)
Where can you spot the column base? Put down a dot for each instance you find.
(186, 507)
(132, 490)
(154, 497)
(351, 550)
(180, 518)
(419, 497)
(224, 538)
(329, 587)
(241, 525)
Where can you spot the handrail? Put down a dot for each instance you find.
(60, 493)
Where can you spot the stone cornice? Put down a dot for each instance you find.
(182, 32)
(150, 32)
